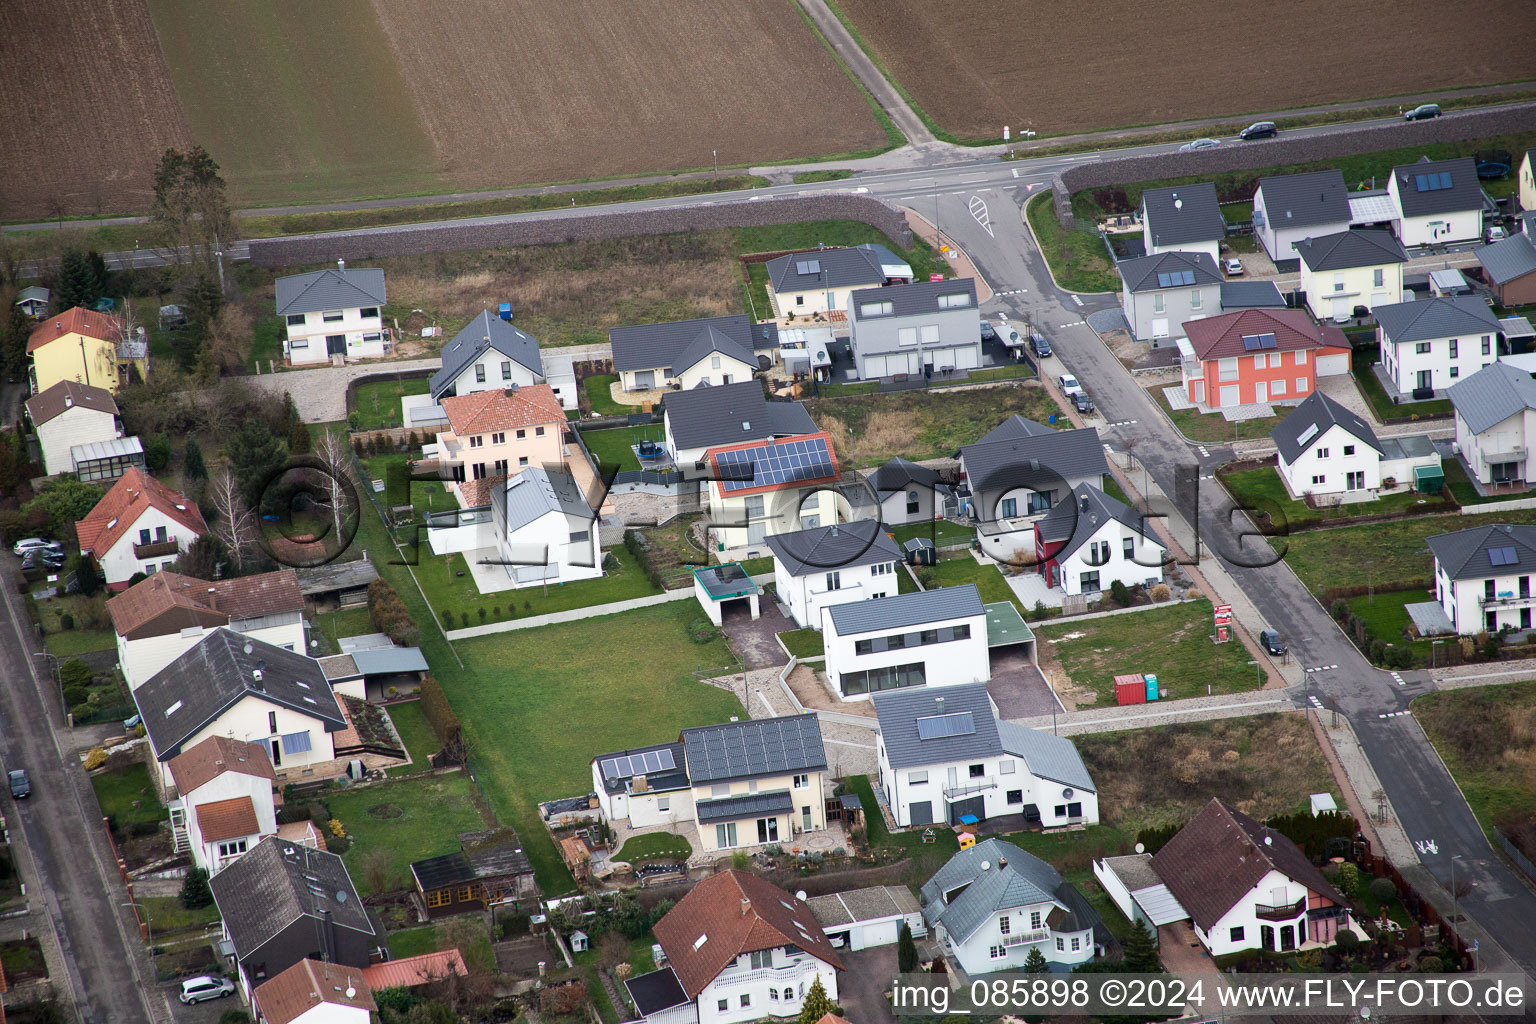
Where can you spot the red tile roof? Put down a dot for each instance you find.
(289, 995)
(735, 913)
(227, 819)
(76, 321)
(168, 602)
(1221, 337)
(478, 492)
(134, 494)
(415, 970)
(498, 409)
(197, 766)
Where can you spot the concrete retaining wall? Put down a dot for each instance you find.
(565, 226)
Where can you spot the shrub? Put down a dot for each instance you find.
(496, 611)
(95, 759)
(445, 724)
(66, 621)
(75, 672)
(1399, 656)
(1161, 593)
(1349, 880)
(74, 696)
(483, 613)
(234, 1017)
(1339, 609)
(1345, 941)
(194, 889)
(1377, 650)
(1120, 592)
(1491, 645)
(1383, 890)
(447, 619)
(701, 631)
(563, 1000)
(1192, 593)
(389, 614)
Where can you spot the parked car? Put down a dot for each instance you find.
(1199, 144)
(1271, 641)
(42, 558)
(1234, 267)
(1069, 385)
(1496, 233)
(1082, 402)
(1038, 345)
(195, 990)
(26, 544)
(988, 332)
(1422, 112)
(21, 786)
(1259, 130)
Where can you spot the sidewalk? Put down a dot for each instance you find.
(1142, 716)
(958, 260)
(570, 615)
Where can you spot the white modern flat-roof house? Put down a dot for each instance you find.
(1427, 346)
(815, 569)
(929, 328)
(1290, 207)
(1483, 577)
(330, 313)
(931, 638)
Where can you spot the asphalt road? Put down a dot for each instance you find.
(74, 879)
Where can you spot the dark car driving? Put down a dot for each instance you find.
(1259, 130)
(21, 786)
(1422, 112)
(1272, 642)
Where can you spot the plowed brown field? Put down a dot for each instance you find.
(977, 65)
(86, 107)
(529, 90)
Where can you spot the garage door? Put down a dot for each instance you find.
(1229, 395)
(969, 358)
(881, 933)
(1333, 365)
(874, 366)
(960, 808)
(921, 812)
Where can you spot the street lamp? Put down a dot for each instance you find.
(1260, 669)
(1455, 911)
(58, 680)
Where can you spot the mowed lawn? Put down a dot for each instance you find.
(378, 402)
(408, 820)
(538, 705)
(612, 448)
(1172, 643)
(962, 568)
(1264, 491)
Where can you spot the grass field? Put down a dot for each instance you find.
(1487, 737)
(417, 735)
(803, 643)
(654, 846)
(1212, 427)
(408, 820)
(127, 795)
(940, 531)
(1077, 258)
(612, 448)
(1361, 362)
(1263, 490)
(378, 402)
(962, 568)
(600, 393)
(1386, 619)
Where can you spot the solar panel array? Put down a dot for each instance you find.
(1432, 182)
(769, 465)
(1502, 556)
(761, 747)
(1255, 342)
(935, 727)
(648, 763)
(1176, 279)
(808, 267)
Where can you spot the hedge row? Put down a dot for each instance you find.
(440, 714)
(389, 614)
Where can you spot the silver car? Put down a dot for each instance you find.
(1199, 144)
(196, 990)
(26, 544)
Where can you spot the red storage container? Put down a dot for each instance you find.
(1130, 689)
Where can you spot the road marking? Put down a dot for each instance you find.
(1074, 323)
(1203, 453)
(1121, 423)
(1315, 702)
(1077, 299)
(1394, 714)
(1011, 291)
(1426, 846)
(1397, 677)
(982, 216)
(1015, 172)
(1323, 668)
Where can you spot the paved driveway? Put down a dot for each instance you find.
(1019, 688)
(861, 988)
(755, 641)
(1181, 952)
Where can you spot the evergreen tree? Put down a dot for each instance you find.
(194, 890)
(202, 558)
(1036, 963)
(101, 277)
(13, 341)
(87, 579)
(298, 439)
(906, 950)
(78, 283)
(201, 304)
(157, 453)
(816, 1005)
(256, 455)
(1141, 951)
(193, 467)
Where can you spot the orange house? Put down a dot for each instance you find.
(1258, 355)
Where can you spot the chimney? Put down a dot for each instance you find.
(1082, 503)
(341, 264)
(256, 683)
(939, 701)
(509, 391)
(1002, 862)
(69, 400)
(746, 906)
(639, 785)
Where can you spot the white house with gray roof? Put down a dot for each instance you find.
(815, 569)
(539, 529)
(721, 415)
(329, 313)
(1357, 267)
(1185, 218)
(1325, 449)
(1427, 346)
(807, 283)
(1290, 207)
(930, 328)
(1483, 577)
(1496, 424)
(931, 638)
(993, 903)
(907, 492)
(685, 354)
(1090, 541)
(1436, 202)
(492, 353)
(944, 754)
(1159, 293)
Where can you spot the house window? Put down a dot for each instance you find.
(272, 723)
(714, 362)
(1322, 453)
(1453, 348)
(663, 804)
(1236, 934)
(912, 504)
(296, 319)
(746, 999)
(500, 438)
(834, 581)
(1088, 582)
(1318, 479)
(799, 300)
(522, 460)
(466, 894)
(477, 441)
(1077, 943)
(1194, 299)
(233, 849)
(368, 312)
(1276, 388)
(1157, 302)
(144, 536)
(538, 431)
(1455, 372)
(760, 959)
(917, 778)
(906, 335)
(954, 301)
(1128, 547)
(478, 471)
(1009, 508)
(437, 898)
(332, 318)
(1301, 385)
(720, 789)
(150, 570)
(773, 994)
(581, 536)
(802, 781)
(1301, 357)
(1349, 450)
(522, 434)
(298, 343)
(1034, 919)
(962, 632)
(863, 646)
(1226, 369)
(1486, 346)
(977, 770)
(1338, 282)
(1061, 944)
(998, 952)
(1378, 277)
(722, 1005)
(1015, 796)
(506, 369)
(1004, 924)
(725, 835)
(1422, 348)
(1005, 766)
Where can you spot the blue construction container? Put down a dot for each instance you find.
(1151, 687)
(506, 311)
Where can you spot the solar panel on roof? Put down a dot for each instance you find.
(1308, 434)
(808, 267)
(1176, 278)
(934, 727)
(774, 464)
(1255, 342)
(1502, 556)
(1432, 182)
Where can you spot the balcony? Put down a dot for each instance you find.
(1280, 912)
(793, 971)
(1025, 938)
(1506, 599)
(969, 787)
(156, 549)
(1491, 458)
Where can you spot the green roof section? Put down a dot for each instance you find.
(1005, 625)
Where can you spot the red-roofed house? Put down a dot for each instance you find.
(224, 803)
(761, 488)
(1258, 355)
(499, 433)
(83, 346)
(141, 525)
(315, 992)
(738, 949)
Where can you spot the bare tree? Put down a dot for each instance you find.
(332, 449)
(235, 522)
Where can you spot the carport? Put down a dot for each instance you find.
(1007, 628)
(717, 586)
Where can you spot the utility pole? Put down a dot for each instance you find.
(218, 256)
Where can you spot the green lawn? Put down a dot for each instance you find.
(1006, 371)
(413, 942)
(600, 395)
(612, 448)
(416, 732)
(1112, 489)
(378, 402)
(803, 643)
(1212, 427)
(1461, 488)
(1361, 361)
(1077, 258)
(409, 820)
(808, 177)
(167, 917)
(1386, 618)
(1172, 643)
(1487, 739)
(1263, 490)
(921, 425)
(120, 790)
(330, 627)
(941, 531)
(267, 342)
(962, 568)
(758, 566)
(71, 642)
(654, 846)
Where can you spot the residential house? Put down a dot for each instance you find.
(1259, 355)
(1090, 541)
(907, 492)
(139, 526)
(224, 803)
(761, 488)
(1290, 207)
(1437, 202)
(1240, 295)
(247, 689)
(495, 434)
(1509, 267)
(1527, 179)
(1426, 346)
(644, 786)
(1351, 268)
(815, 569)
(1483, 577)
(315, 992)
(812, 283)
(686, 353)
(1158, 293)
(68, 418)
(34, 300)
(929, 328)
(856, 919)
(944, 754)
(929, 638)
(491, 354)
(737, 949)
(1496, 424)
(489, 870)
(991, 904)
(282, 903)
(1016, 473)
(329, 313)
(388, 673)
(1186, 218)
(160, 618)
(83, 346)
(724, 414)
(539, 528)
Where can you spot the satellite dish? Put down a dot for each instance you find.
(261, 666)
(248, 648)
(341, 895)
(351, 992)
(800, 895)
(1141, 847)
(1269, 841)
(1067, 793)
(985, 865)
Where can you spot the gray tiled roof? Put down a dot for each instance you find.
(216, 673)
(1463, 554)
(1509, 259)
(1302, 200)
(1024, 880)
(913, 299)
(1448, 316)
(536, 491)
(762, 746)
(1077, 518)
(711, 340)
(901, 611)
(649, 346)
(1311, 419)
(1013, 428)
(899, 711)
(749, 805)
(332, 289)
(1357, 247)
(1141, 274)
(1047, 757)
(269, 888)
(1183, 214)
(1464, 194)
(731, 413)
(839, 546)
(897, 474)
(1250, 295)
(485, 331)
(834, 268)
(1043, 456)
(790, 418)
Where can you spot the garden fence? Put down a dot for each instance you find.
(1513, 852)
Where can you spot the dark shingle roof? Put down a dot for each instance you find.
(1217, 337)
(1311, 419)
(1464, 192)
(898, 474)
(1076, 519)
(729, 414)
(748, 805)
(1492, 395)
(1504, 261)
(1302, 200)
(905, 610)
(657, 991)
(485, 331)
(329, 290)
(913, 299)
(1443, 316)
(763, 746)
(900, 710)
(711, 340)
(1183, 215)
(1357, 247)
(66, 395)
(1040, 456)
(488, 854)
(271, 887)
(831, 268)
(216, 673)
(1464, 554)
(1151, 273)
(841, 546)
(648, 346)
(1250, 295)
